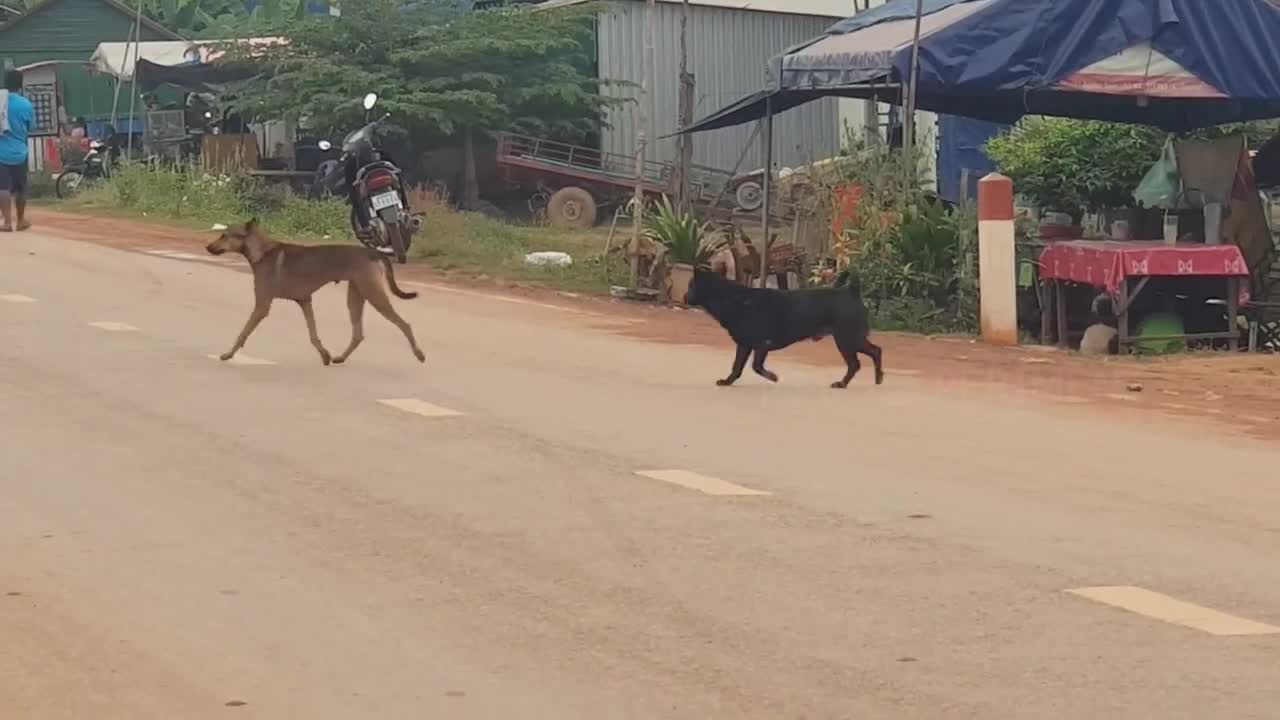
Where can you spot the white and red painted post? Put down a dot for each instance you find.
(997, 263)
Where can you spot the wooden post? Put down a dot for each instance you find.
(1122, 318)
(997, 262)
(1060, 307)
(1044, 288)
(637, 211)
(133, 87)
(685, 167)
(115, 100)
(642, 138)
(1233, 312)
(767, 187)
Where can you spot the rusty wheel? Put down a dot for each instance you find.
(749, 196)
(572, 207)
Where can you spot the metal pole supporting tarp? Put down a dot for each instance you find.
(768, 189)
(115, 100)
(133, 86)
(909, 122)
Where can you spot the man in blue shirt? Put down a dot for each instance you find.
(13, 154)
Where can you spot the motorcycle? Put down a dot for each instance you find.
(380, 215)
(96, 165)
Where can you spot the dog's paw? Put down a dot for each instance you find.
(839, 385)
(879, 378)
(422, 357)
(771, 377)
(340, 359)
(326, 359)
(226, 356)
(724, 383)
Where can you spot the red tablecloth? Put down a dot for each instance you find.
(1105, 264)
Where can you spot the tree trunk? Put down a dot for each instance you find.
(470, 185)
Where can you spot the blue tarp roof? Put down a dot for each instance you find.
(1176, 64)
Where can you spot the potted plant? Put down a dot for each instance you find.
(688, 243)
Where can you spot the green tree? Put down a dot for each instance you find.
(508, 69)
(228, 18)
(1074, 166)
(220, 18)
(438, 69)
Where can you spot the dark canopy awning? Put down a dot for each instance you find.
(1174, 64)
(202, 77)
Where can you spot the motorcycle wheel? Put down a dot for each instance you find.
(395, 235)
(68, 183)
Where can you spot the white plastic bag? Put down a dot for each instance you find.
(549, 258)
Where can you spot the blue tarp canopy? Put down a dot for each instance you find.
(1174, 64)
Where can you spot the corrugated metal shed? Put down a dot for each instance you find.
(728, 52)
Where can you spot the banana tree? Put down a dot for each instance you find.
(216, 17)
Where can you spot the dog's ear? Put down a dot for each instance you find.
(255, 245)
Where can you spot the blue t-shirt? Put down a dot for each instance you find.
(22, 119)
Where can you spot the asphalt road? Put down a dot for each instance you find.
(184, 538)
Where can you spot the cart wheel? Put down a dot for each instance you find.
(750, 196)
(572, 207)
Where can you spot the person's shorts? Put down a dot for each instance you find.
(13, 178)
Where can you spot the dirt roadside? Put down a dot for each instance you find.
(1238, 394)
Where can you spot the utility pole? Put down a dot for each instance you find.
(687, 82)
(642, 137)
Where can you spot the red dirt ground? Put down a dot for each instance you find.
(1239, 393)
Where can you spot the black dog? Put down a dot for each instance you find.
(762, 320)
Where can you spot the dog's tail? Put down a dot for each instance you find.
(849, 278)
(391, 282)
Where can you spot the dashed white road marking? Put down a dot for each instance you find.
(15, 298)
(110, 326)
(701, 483)
(1069, 399)
(1171, 610)
(242, 359)
(419, 407)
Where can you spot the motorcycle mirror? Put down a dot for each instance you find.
(325, 145)
(370, 100)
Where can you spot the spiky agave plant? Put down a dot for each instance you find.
(687, 241)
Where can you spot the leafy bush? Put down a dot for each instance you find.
(1074, 166)
(188, 194)
(687, 241)
(915, 259)
(450, 240)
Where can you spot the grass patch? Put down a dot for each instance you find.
(450, 240)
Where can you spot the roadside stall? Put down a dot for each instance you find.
(1214, 231)
(1178, 65)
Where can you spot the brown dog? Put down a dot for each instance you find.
(295, 272)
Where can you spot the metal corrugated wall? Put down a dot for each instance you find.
(728, 50)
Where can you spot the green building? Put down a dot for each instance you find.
(58, 36)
